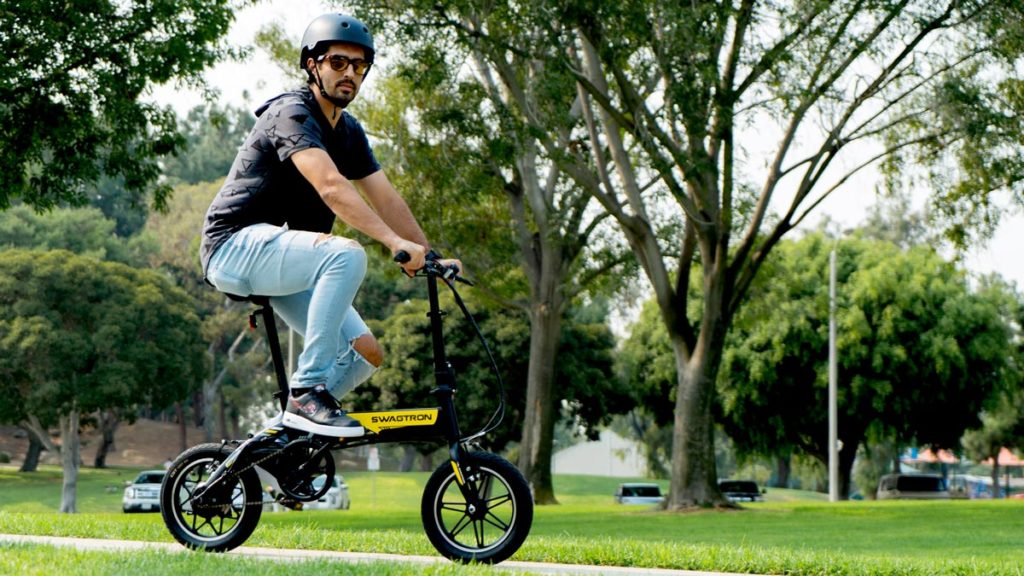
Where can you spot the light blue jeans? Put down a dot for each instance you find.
(311, 279)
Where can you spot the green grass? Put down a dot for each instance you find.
(793, 532)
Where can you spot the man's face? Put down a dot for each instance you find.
(340, 84)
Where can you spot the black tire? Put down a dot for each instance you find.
(489, 535)
(229, 516)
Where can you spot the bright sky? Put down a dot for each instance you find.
(261, 79)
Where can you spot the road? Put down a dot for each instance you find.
(351, 557)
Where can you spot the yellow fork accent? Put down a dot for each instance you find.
(458, 473)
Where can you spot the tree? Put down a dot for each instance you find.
(70, 89)
(78, 335)
(1002, 423)
(673, 98)
(84, 231)
(919, 354)
(212, 135)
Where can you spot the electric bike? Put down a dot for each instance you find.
(475, 507)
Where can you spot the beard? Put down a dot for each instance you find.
(341, 98)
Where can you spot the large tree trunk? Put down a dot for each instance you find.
(35, 449)
(69, 459)
(109, 421)
(539, 420)
(694, 472)
(783, 469)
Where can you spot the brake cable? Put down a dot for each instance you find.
(499, 412)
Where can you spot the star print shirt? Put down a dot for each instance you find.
(264, 186)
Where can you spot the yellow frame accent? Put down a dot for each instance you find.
(391, 419)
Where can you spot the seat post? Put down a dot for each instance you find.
(270, 325)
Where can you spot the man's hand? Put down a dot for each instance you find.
(448, 262)
(417, 255)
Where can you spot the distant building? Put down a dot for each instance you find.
(612, 455)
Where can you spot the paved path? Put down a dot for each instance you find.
(353, 557)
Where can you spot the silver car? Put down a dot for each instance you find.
(336, 497)
(143, 495)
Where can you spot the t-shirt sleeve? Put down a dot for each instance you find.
(363, 162)
(290, 128)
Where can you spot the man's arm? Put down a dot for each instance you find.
(395, 212)
(390, 205)
(344, 200)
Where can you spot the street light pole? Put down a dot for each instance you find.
(833, 411)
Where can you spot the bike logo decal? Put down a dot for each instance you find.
(377, 421)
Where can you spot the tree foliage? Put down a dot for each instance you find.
(83, 231)
(79, 335)
(919, 353)
(71, 84)
(212, 135)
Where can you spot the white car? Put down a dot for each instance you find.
(143, 495)
(638, 493)
(336, 497)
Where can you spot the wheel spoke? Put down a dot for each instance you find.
(460, 525)
(495, 521)
(498, 501)
(478, 530)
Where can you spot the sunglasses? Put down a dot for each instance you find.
(339, 63)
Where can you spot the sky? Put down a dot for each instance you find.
(258, 79)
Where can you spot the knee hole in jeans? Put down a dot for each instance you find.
(369, 348)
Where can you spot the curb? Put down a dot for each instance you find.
(294, 555)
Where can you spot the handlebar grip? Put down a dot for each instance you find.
(402, 257)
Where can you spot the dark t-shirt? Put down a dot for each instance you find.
(264, 186)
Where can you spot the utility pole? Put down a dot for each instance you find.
(833, 410)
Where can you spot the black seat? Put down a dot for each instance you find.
(256, 299)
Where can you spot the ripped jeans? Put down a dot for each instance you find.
(312, 279)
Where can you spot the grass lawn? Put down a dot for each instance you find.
(793, 532)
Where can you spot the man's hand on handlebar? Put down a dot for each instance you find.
(405, 260)
(410, 256)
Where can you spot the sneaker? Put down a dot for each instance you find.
(315, 410)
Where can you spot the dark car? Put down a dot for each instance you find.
(741, 490)
(912, 487)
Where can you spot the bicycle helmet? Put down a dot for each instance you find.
(331, 28)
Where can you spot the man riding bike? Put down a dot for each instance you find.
(268, 230)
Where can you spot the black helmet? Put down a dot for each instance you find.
(331, 28)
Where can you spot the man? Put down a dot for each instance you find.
(267, 232)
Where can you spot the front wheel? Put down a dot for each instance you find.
(490, 525)
(225, 516)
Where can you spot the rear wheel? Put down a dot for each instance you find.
(488, 527)
(225, 516)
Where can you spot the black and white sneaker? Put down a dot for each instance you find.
(315, 410)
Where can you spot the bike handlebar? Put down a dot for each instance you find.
(433, 267)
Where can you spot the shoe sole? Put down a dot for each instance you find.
(300, 423)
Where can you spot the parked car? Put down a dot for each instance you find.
(336, 497)
(741, 490)
(912, 487)
(143, 494)
(638, 493)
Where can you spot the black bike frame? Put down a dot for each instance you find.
(446, 429)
